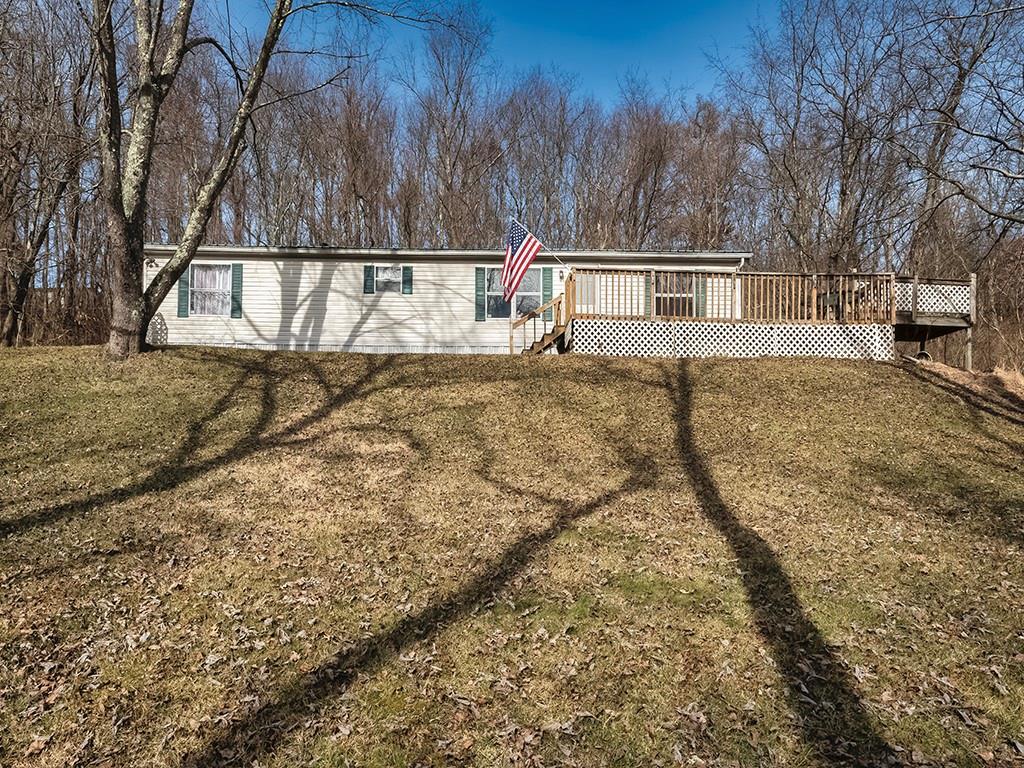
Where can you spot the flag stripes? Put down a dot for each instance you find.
(520, 250)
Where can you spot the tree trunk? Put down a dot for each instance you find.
(4, 281)
(129, 317)
(15, 319)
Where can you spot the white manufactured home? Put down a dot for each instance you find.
(383, 300)
(668, 304)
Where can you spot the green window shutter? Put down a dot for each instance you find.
(368, 284)
(647, 295)
(700, 296)
(236, 290)
(481, 296)
(407, 280)
(183, 292)
(545, 296)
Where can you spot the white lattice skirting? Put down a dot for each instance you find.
(640, 338)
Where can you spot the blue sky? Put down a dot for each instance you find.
(602, 41)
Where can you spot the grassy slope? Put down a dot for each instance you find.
(211, 556)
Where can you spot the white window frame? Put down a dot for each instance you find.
(539, 293)
(192, 289)
(377, 282)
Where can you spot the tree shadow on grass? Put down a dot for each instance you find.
(1004, 405)
(967, 483)
(1012, 398)
(955, 494)
(258, 733)
(1001, 404)
(832, 719)
(183, 466)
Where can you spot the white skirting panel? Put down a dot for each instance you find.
(641, 338)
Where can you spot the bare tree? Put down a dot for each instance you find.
(453, 140)
(137, 92)
(43, 111)
(711, 166)
(822, 99)
(161, 43)
(977, 126)
(939, 67)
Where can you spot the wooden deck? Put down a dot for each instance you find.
(751, 297)
(918, 309)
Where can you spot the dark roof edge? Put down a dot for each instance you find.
(453, 255)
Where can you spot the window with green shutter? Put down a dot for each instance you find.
(368, 282)
(407, 281)
(680, 294)
(481, 294)
(490, 293)
(546, 289)
(211, 290)
(183, 292)
(236, 290)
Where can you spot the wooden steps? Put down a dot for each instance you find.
(555, 336)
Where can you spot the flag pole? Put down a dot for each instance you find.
(511, 330)
(511, 313)
(517, 221)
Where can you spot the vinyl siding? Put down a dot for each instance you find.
(319, 304)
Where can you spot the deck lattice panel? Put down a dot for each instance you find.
(640, 338)
(934, 298)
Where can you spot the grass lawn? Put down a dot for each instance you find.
(224, 557)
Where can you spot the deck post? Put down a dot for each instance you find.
(969, 348)
(814, 299)
(892, 296)
(654, 289)
(974, 295)
(735, 298)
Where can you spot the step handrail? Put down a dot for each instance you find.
(555, 305)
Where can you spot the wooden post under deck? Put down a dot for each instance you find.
(969, 348)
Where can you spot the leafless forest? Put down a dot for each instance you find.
(853, 135)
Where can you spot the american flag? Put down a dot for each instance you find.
(520, 250)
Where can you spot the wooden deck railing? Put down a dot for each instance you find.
(823, 298)
(936, 296)
(752, 297)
